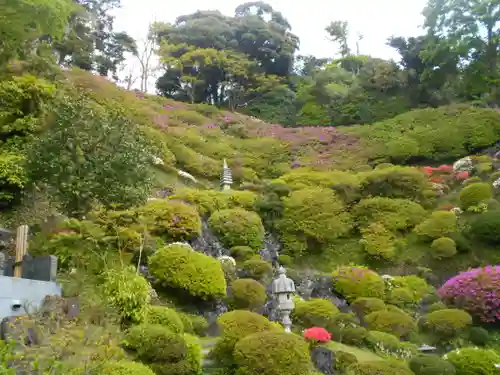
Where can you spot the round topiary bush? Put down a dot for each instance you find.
(166, 317)
(273, 353)
(366, 305)
(246, 294)
(401, 297)
(343, 360)
(172, 220)
(393, 321)
(475, 291)
(257, 269)
(416, 285)
(352, 335)
(124, 367)
(356, 282)
(242, 253)
(472, 361)
(479, 336)
(179, 267)
(436, 306)
(425, 364)
(474, 194)
(194, 324)
(238, 227)
(443, 247)
(446, 324)
(315, 312)
(486, 227)
(379, 368)
(439, 224)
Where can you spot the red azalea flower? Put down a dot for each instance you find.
(462, 175)
(317, 334)
(445, 167)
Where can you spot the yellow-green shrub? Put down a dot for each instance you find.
(171, 220)
(257, 269)
(315, 312)
(474, 194)
(194, 324)
(178, 266)
(378, 242)
(242, 253)
(312, 215)
(474, 361)
(302, 178)
(443, 247)
(246, 294)
(124, 367)
(446, 324)
(401, 297)
(394, 214)
(393, 321)
(439, 224)
(368, 305)
(427, 364)
(416, 285)
(388, 344)
(356, 282)
(378, 368)
(238, 227)
(165, 316)
(273, 353)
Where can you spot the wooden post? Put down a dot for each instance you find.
(21, 247)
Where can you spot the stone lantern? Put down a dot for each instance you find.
(284, 289)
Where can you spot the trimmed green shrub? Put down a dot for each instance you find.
(315, 312)
(356, 282)
(479, 336)
(393, 321)
(388, 344)
(439, 224)
(472, 361)
(472, 180)
(124, 367)
(242, 253)
(443, 247)
(446, 324)
(401, 297)
(179, 267)
(165, 316)
(378, 242)
(393, 214)
(426, 364)
(343, 360)
(238, 227)
(436, 306)
(474, 194)
(486, 227)
(273, 353)
(246, 294)
(194, 357)
(194, 324)
(366, 306)
(257, 269)
(379, 368)
(345, 328)
(285, 260)
(352, 335)
(416, 285)
(171, 220)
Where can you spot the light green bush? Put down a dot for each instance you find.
(315, 312)
(246, 294)
(257, 269)
(472, 361)
(194, 324)
(474, 194)
(416, 285)
(378, 242)
(443, 247)
(446, 324)
(165, 316)
(378, 368)
(401, 297)
(356, 282)
(439, 224)
(366, 306)
(392, 320)
(124, 367)
(426, 364)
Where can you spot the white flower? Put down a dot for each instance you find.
(496, 183)
(464, 164)
(226, 258)
(157, 161)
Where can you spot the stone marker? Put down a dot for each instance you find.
(323, 360)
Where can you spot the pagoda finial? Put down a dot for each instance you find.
(226, 178)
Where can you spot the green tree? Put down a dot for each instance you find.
(89, 155)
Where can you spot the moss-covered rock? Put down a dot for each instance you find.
(356, 282)
(238, 227)
(246, 294)
(179, 267)
(273, 353)
(315, 312)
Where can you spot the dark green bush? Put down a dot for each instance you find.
(472, 361)
(166, 317)
(343, 360)
(124, 367)
(246, 294)
(179, 267)
(238, 227)
(242, 253)
(273, 353)
(479, 336)
(391, 321)
(425, 364)
(356, 282)
(446, 324)
(315, 312)
(345, 328)
(443, 247)
(366, 306)
(474, 194)
(486, 227)
(352, 335)
(439, 224)
(379, 368)
(388, 344)
(257, 269)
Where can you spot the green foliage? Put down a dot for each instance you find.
(366, 305)
(194, 324)
(165, 316)
(312, 215)
(486, 227)
(387, 344)
(128, 292)
(242, 253)
(474, 194)
(257, 269)
(439, 224)
(446, 324)
(246, 294)
(171, 220)
(393, 321)
(343, 360)
(105, 158)
(426, 364)
(479, 336)
(125, 367)
(443, 247)
(378, 242)
(238, 227)
(378, 368)
(416, 285)
(315, 312)
(393, 214)
(356, 282)
(401, 297)
(273, 353)
(473, 361)
(179, 267)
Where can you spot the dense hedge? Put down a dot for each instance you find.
(178, 266)
(273, 353)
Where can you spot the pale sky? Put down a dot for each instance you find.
(375, 19)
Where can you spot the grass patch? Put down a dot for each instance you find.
(362, 355)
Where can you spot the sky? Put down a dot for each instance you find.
(376, 20)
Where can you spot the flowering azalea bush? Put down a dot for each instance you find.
(477, 291)
(317, 335)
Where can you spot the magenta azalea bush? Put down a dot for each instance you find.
(477, 291)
